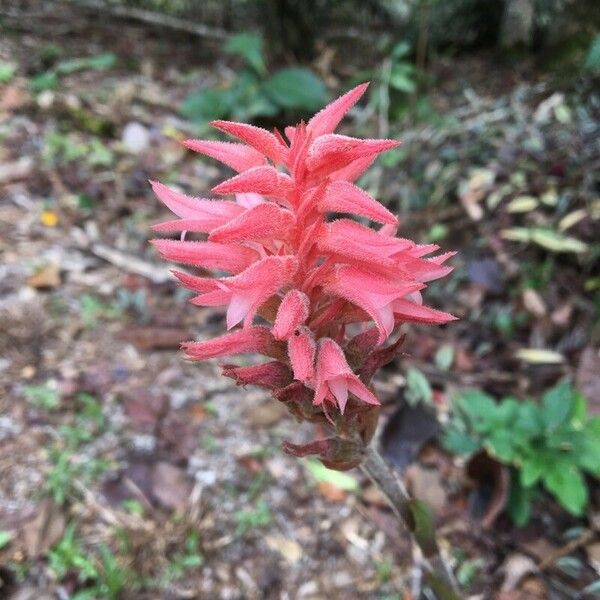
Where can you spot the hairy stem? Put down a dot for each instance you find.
(417, 518)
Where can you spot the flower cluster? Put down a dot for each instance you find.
(317, 292)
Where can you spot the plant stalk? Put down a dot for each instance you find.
(417, 518)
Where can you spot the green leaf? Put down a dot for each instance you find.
(43, 82)
(532, 469)
(592, 60)
(417, 388)
(98, 62)
(400, 50)
(401, 79)
(558, 404)
(519, 501)
(296, 89)
(206, 105)
(478, 407)
(501, 444)
(459, 442)
(340, 480)
(250, 47)
(5, 538)
(566, 483)
(444, 357)
(7, 72)
(423, 527)
(589, 456)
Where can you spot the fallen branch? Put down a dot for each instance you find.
(132, 264)
(152, 18)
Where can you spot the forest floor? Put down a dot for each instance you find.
(126, 472)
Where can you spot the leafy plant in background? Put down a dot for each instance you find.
(552, 443)
(253, 92)
(49, 80)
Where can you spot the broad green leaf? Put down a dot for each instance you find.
(532, 470)
(250, 47)
(43, 82)
(444, 357)
(501, 444)
(424, 528)
(206, 105)
(7, 72)
(592, 60)
(417, 388)
(565, 481)
(98, 62)
(529, 421)
(400, 50)
(340, 480)
(519, 502)
(478, 408)
(5, 538)
(402, 80)
(589, 456)
(539, 356)
(459, 442)
(296, 89)
(558, 404)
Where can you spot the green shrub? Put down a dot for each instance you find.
(552, 443)
(253, 93)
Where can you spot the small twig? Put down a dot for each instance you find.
(152, 18)
(132, 264)
(438, 573)
(587, 536)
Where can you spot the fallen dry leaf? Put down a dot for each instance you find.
(288, 548)
(44, 530)
(171, 486)
(588, 378)
(331, 492)
(516, 567)
(267, 414)
(46, 277)
(144, 408)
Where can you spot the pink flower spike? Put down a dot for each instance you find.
(262, 140)
(343, 196)
(370, 292)
(195, 283)
(302, 349)
(209, 255)
(247, 292)
(237, 156)
(212, 213)
(253, 339)
(292, 312)
(266, 181)
(263, 222)
(331, 152)
(328, 118)
(335, 379)
(405, 310)
(272, 375)
(354, 170)
(249, 200)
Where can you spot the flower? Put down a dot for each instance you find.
(272, 251)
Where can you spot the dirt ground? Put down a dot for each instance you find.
(169, 470)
